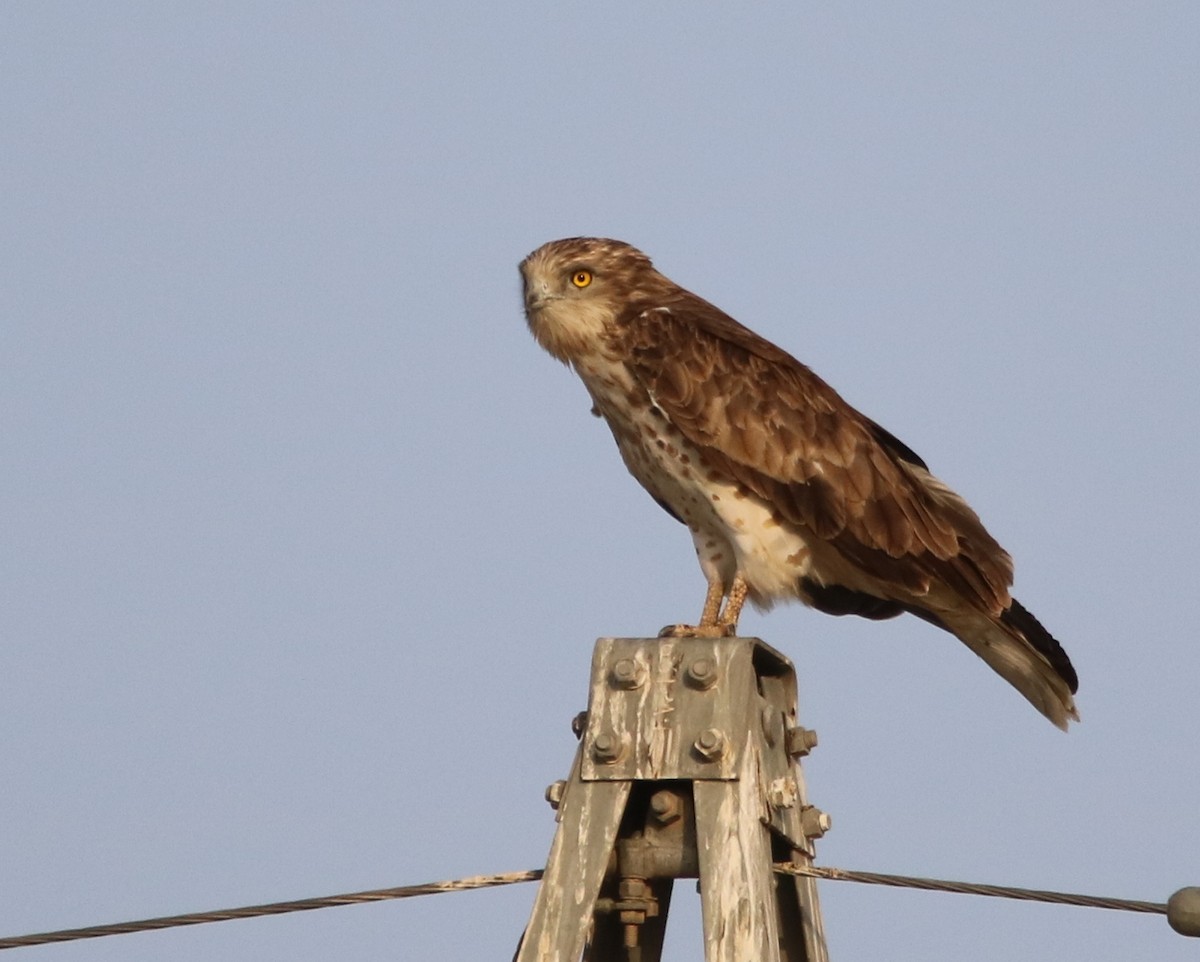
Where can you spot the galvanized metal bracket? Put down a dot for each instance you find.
(685, 768)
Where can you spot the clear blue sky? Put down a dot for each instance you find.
(306, 543)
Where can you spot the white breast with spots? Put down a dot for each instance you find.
(732, 529)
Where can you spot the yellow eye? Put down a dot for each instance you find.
(581, 278)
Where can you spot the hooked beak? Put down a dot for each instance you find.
(537, 293)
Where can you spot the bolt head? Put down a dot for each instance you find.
(607, 748)
(711, 744)
(813, 822)
(555, 792)
(628, 674)
(665, 807)
(702, 673)
(800, 741)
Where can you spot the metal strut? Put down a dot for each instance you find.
(684, 770)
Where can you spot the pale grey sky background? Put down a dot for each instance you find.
(306, 543)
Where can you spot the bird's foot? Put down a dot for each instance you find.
(698, 631)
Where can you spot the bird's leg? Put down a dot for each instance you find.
(712, 603)
(733, 607)
(711, 624)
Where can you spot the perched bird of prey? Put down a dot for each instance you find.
(788, 491)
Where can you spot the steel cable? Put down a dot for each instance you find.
(510, 878)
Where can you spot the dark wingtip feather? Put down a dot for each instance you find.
(837, 600)
(895, 445)
(1017, 616)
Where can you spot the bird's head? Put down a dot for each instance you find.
(577, 288)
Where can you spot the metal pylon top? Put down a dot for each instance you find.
(685, 769)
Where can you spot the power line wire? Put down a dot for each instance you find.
(272, 908)
(510, 878)
(973, 888)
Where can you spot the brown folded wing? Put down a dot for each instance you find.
(762, 418)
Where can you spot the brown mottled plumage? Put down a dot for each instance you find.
(788, 491)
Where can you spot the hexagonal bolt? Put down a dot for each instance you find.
(555, 792)
(607, 748)
(703, 673)
(579, 724)
(711, 744)
(800, 741)
(665, 807)
(628, 674)
(813, 822)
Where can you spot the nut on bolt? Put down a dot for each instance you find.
(800, 741)
(813, 822)
(628, 674)
(711, 744)
(702, 673)
(555, 792)
(665, 807)
(607, 748)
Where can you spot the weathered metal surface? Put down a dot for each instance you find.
(685, 768)
(785, 793)
(659, 708)
(589, 815)
(737, 884)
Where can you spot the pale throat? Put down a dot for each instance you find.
(572, 329)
